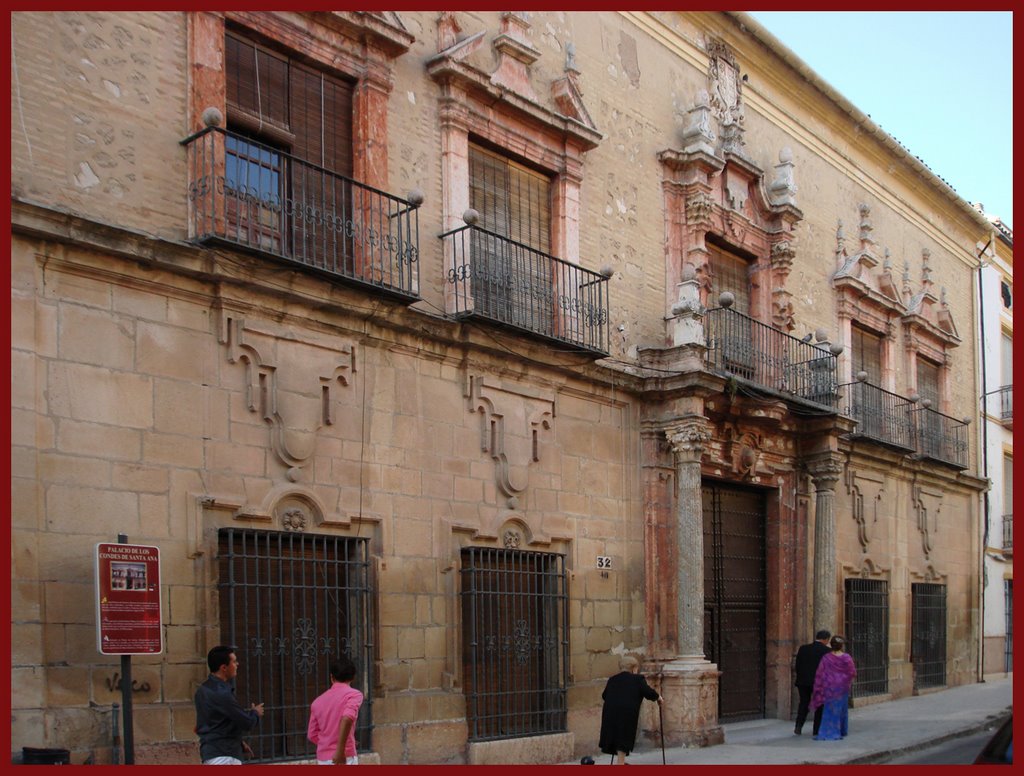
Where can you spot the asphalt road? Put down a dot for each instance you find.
(956, 751)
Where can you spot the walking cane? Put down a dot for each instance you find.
(661, 723)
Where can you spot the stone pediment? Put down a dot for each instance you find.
(509, 86)
(863, 273)
(929, 318)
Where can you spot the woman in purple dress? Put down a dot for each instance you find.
(832, 685)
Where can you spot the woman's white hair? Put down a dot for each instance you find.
(628, 663)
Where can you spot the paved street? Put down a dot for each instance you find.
(878, 731)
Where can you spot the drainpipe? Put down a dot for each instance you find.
(984, 453)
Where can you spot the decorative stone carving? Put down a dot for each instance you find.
(515, 54)
(782, 190)
(512, 539)
(295, 391)
(866, 489)
(783, 317)
(567, 92)
(688, 437)
(448, 29)
(782, 254)
(295, 512)
(724, 82)
(293, 519)
(513, 422)
(699, 137)
(698, 208)
(928, 507)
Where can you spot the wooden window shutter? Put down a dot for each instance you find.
(730, 273)
(321, 118)
(928, 381)
(267, 91)
(867, 354)
(257, 80)
(512, 200)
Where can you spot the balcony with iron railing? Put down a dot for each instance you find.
(1006, 405)
(254, 196)
(493, 278)
(753, 352)
(881, 416)
(940, 437)
(1008, 533)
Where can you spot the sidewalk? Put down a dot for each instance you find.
(876, 731)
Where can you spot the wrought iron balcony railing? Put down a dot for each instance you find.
(1008, 532)
(504, 281)
(940, 437)
(741, 347)
(254, 196)
(1006, 404)
(881, 416)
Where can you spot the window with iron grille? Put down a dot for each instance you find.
(1008, 606)
(515, 642)
(867, 634)
(291, 603)
(928, 634)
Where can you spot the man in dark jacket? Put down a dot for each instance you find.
(622, 697)
(220, 719)
(807, 659)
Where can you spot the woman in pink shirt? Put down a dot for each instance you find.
(332, 717)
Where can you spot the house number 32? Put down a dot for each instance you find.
(604, 562)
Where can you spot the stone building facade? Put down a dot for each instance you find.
(484, 347)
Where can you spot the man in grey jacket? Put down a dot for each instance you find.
(220, 719)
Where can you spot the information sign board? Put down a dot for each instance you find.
(128, 615)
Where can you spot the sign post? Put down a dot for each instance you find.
(128, 614)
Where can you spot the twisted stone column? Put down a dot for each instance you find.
(825, 473)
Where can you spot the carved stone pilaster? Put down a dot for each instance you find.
(825, 473)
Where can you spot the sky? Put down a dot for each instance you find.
(941, 83)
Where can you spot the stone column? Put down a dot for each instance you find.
(689, 681)
(825, 474)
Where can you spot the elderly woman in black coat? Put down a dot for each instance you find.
(622, 698)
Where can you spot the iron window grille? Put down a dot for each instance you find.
(1008, 532)
(867, 634)
(515, 642)
(291, 603)
(928, 634)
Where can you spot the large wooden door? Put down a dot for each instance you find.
(734, 597)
